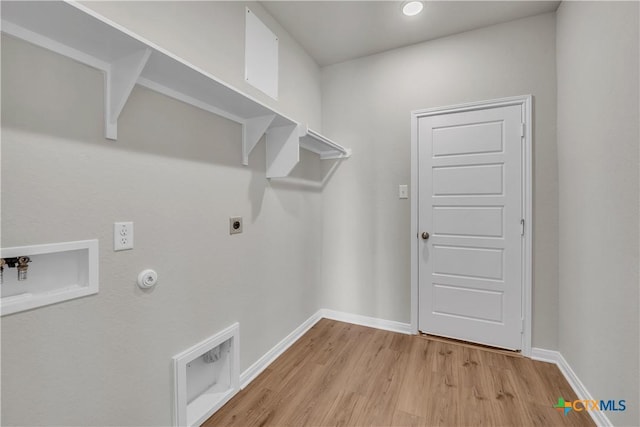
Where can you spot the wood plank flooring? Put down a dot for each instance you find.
(339, 374)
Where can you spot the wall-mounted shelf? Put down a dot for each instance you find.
(326, 148)
(75, 31)
(57, 272)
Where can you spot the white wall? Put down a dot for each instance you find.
(366, 105)
(175, 171)
(598, 140)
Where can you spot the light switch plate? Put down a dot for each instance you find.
(403, 191)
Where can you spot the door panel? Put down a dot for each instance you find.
(467, 139)
(467, 180)
(466, 302)
(470, 201)
(468, 221)
(480, 263)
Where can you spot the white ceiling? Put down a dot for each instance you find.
(336, 31)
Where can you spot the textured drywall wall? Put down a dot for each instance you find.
(175, 172)
(598, 141)
(367, 104)
(210, 35)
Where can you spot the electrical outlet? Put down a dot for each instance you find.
(235, 225)
(122, 236)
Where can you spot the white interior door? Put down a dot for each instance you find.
(470, 202)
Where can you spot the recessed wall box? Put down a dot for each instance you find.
(56, 272)
(207, 375)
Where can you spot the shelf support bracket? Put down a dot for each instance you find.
(252, 131)
(120, 78)
(283, 150)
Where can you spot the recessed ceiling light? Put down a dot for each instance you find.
(411, 8)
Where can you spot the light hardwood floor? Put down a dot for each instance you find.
(339, 374)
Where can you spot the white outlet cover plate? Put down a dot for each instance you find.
(122, 236)
(233, 230)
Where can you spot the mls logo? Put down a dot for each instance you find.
(589, 405)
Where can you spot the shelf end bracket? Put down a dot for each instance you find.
(333, 156)
(252, 131)
(120, 78)
(283, 151)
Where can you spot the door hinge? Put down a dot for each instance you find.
(522, 325)
(522, 227)
(522, 129)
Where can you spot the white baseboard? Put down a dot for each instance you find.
(581, 391)
(372, 322)
(261, 364)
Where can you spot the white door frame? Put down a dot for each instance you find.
(525, 101)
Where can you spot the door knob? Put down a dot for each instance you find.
(425, 235)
